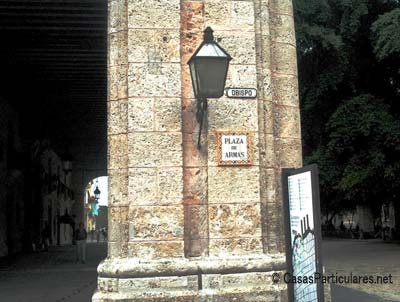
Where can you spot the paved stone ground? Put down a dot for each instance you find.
(363, 257)
(52, 276)
(345, 294)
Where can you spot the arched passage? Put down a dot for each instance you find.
(53, 89)
(96, 208)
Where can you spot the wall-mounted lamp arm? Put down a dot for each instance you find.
(201, 108)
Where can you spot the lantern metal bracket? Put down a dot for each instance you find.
(201, 108)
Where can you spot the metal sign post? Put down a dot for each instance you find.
(303, 234)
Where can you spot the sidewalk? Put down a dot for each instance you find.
(51, 276)
(344, 294)
(363, 257)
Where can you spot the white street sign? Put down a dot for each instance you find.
(241, 93)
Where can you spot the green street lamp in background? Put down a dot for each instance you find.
(208, 69)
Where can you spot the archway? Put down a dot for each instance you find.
(96, 209)
(53, 89)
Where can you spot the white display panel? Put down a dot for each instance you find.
(303, 235)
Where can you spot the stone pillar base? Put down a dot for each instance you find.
(273, 295)
(217, 280)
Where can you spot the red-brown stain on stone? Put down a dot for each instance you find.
(194, 178)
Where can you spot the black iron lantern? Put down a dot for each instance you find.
(209, 68)
(97, 194)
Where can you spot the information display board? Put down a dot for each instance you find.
(303, 233)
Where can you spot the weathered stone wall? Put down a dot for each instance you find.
(234, 192)
(145, 138)
(277, 73)
(182, 228)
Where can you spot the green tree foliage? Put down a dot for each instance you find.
(386, 32)
(349, 62)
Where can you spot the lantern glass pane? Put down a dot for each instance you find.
(211, 50)
(211, 75)
(193, 75)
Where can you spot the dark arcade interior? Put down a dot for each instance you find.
(53, 91)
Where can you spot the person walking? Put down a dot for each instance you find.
(81, 236)
(46, 233)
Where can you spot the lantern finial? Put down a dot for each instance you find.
(208, 35)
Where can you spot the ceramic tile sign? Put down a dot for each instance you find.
(234, 148)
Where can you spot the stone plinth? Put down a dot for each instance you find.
(181, 227)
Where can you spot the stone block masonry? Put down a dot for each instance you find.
(182, 228)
